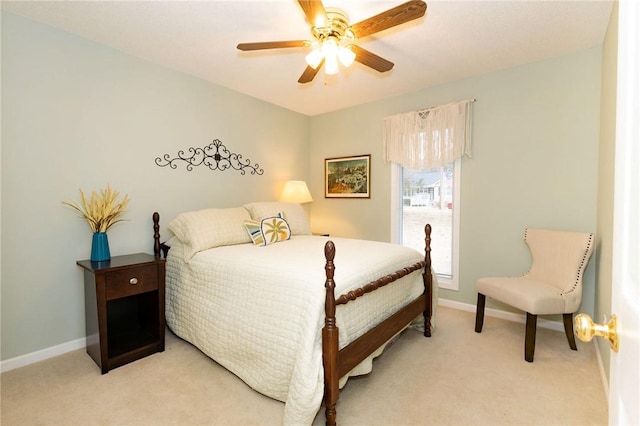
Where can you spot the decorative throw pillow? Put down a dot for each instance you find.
(268, 230)
(294, 214)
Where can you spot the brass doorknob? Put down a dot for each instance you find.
(585, 329)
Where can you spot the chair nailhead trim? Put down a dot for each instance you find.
(583, 264)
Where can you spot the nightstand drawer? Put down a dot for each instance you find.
(131, 281)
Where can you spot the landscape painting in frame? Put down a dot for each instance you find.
(347, 177)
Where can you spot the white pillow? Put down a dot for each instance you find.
(294, 214)
(204, 229)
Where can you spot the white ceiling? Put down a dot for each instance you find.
(453, 41)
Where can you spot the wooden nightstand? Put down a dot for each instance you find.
(124, 308)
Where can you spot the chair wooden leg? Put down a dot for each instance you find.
(568, 330)
(480, 312)
(530, 337)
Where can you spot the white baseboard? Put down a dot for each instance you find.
(41, 355)
(603, 374)
(496, 313)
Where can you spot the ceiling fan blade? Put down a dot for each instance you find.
(371, 59)
(309, 73)
(406, 12)
(314, 11)
(273, 45)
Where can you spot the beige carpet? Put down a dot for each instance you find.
(456, 377)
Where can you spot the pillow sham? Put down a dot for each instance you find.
(293, 213)
(268, 230)
(204, 229)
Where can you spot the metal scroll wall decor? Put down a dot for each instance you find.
(216, 156)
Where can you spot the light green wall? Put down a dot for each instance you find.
(79, 115)
(606, 181)
(535, 163)
(76, 114)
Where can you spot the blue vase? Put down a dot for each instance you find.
(100, 247)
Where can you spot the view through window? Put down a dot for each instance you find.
(428, 197)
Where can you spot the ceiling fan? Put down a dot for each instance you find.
(334, 37)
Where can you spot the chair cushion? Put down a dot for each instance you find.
(535, 297)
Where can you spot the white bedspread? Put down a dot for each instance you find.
(259, 311)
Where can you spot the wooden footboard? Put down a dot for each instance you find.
(338, 362)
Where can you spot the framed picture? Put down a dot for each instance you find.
(347, 177)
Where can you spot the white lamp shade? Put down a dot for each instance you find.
(331, 65)
(346, 56)
(296, 191)
(314, 58)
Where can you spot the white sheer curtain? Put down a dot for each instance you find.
(429, 138)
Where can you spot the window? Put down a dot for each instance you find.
(429, 196)
(433, 141)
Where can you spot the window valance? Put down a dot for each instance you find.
(429, 138)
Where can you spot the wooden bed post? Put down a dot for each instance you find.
(330, 339)
(427, 278)
(156, 234)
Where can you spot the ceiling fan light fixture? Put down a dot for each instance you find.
(331, 64)
(333, 36)
(331, 52)
(329, 47)
(314, 58)
(346, 56)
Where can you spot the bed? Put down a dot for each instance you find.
(250, 287)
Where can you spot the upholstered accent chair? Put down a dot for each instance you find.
(553, 284)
